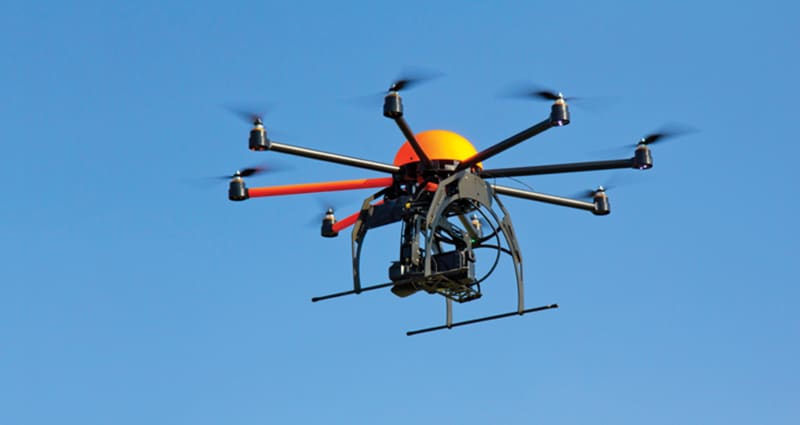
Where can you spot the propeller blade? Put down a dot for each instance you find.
(584, 194)
(406, 81)
(330, 203)
(254, 170)
(251, 114)
(546, 95)
(247, 172)
(589, 194)
(669, 132)
(318, 217)
(401, 84)
(413, 78)
(533, 91)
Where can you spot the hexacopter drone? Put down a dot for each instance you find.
(436, 189)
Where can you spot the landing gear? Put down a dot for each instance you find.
(438, 243)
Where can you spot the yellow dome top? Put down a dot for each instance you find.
(437, 145)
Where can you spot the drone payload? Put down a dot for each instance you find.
(437, 191)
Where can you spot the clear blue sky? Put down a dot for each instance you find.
(132, 291)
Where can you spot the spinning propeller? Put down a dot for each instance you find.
(590, 194)
(671, 132)
(254, 170)
(559, 115)
(329, 211)
(258, 141)
(246, 172)
(532, 91)
(401, 84)
(411, 79)
(250, 114)
(536, 92)
(598, 198)
(548, 95)
(405, 81)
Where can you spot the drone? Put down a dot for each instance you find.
(439, 192)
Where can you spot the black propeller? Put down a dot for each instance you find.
(589, 194)
(411, 79)
(655, 137)
(669, 132)
(406, 81)
(532, 91)
(401, 84)
(245, 172)
(548, 95)
(252, 171)
(248, 114)
(327, 205)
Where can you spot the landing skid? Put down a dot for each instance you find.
(353, 292)
(450, 324)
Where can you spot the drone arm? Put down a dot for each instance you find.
(559, 168)
(550, 199)
(346, 222)
(349, 220)
(403, 125)
(332, 157)
(393, 108)
(296, 189)
(506, 144)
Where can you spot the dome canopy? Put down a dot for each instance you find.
(438, 145)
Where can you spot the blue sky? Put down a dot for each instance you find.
(132, 291)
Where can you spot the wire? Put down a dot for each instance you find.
(486, 220)
(522, 183)
(500, 248)
(496, 233)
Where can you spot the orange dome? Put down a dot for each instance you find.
(438, 145)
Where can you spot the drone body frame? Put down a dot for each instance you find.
(436, 181)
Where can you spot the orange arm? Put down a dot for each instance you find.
(296, 189)
(345, 222)
(349, 220)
